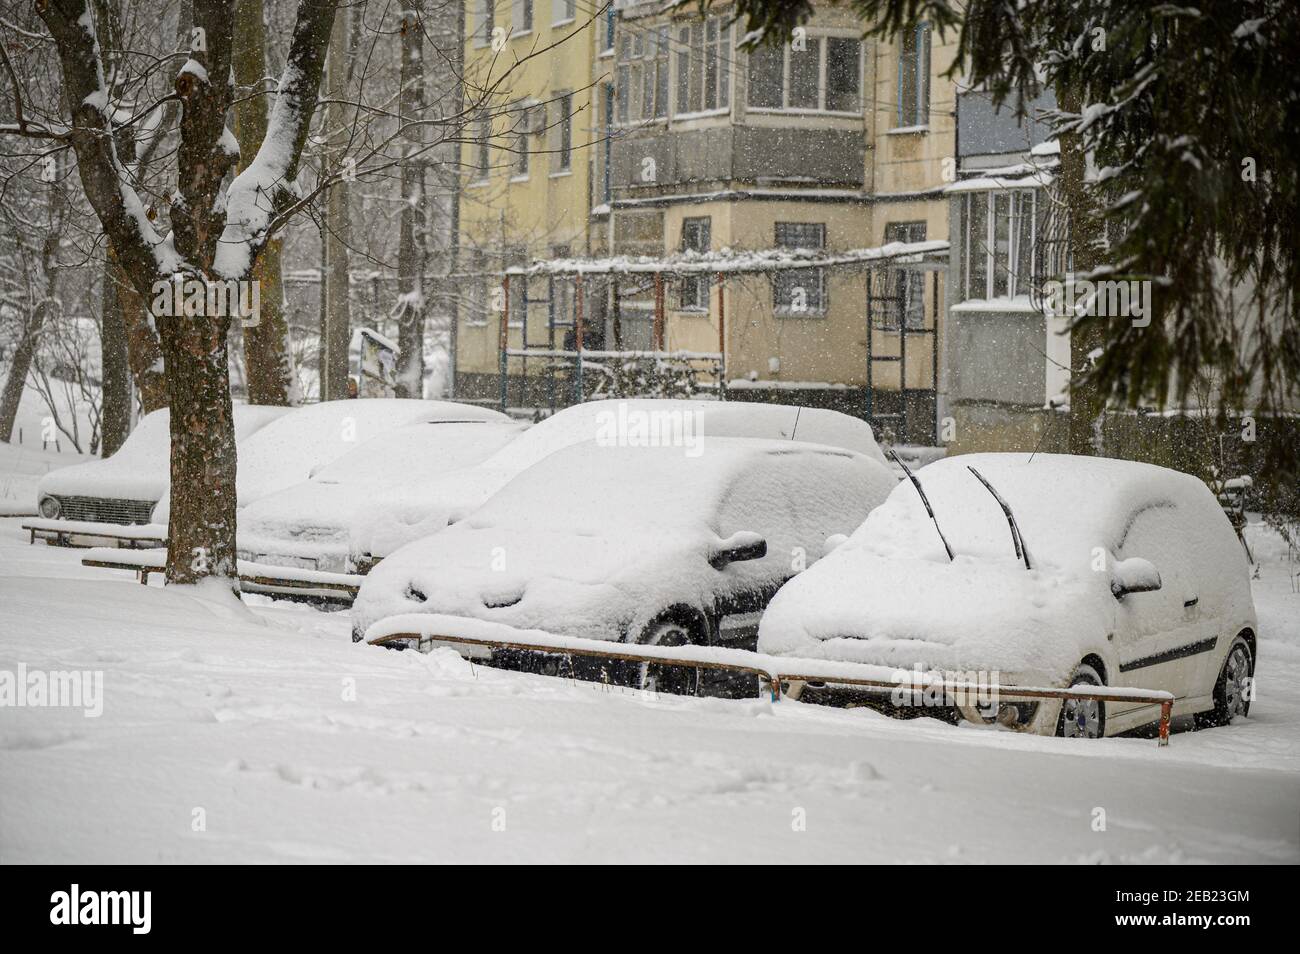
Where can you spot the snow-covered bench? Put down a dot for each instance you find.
(74, 533)
(479, 637)
(276, 581)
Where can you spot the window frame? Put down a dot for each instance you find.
(487, 22)
(915, 280)
(517, 10)
(564, 135)
(822, 307)
(568, 11)
(821, 38)
(1016, 199)
(919, 110)
(698, 285)
(640, 58)
(693, 59)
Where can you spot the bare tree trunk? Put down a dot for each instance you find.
(115, 368)
(266, 344)
(143, 350)
(201, 529)
(25, 352)
(1087, 244)
(336, 319)
(413, 250)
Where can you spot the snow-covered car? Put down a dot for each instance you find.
(310, 524)
(689, 425)
(293, 447)
(635, 544)
(1048, 570)
(126, 487)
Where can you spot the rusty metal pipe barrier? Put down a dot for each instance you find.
(774, 671)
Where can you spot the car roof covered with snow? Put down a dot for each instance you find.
(315, 515)
(295, 446)
(633, 422)
(890, 595)
(595, 536)
(140, 469)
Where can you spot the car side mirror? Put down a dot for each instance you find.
(834, 542)
(737, 548)
(1134, 575)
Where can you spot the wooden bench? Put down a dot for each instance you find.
(128, 537)
(269, 580)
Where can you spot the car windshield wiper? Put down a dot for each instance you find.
(925, 500)
(1016, 539)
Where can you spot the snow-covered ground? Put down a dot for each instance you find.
(281, 740)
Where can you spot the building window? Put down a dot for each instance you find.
(914, 77)
(999, 230)
(564, 11)
(696, 236)
(800, 291)
(522, 21)
(482, 146)
(703, 67)
(562, 298)
(487, 21)
(611, 17)
(823, 75)
(607, 172)
(564, 132)
(910, 288)
(643, 75)
(516, 256)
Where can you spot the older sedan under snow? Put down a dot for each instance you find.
(126, 487)
(310, 524)
(1043, 571)
(300, 443)
(645, 545)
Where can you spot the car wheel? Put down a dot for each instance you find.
(1083, 718)
(1231, 689)
(676, 680)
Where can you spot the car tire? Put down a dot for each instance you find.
(1080, 718)
(1231, 696)
(674, 680)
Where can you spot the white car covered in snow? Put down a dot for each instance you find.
(126, 487)
(297, 445)
(635, 544)
(429, 505)
(310, 524)
(1043, 571)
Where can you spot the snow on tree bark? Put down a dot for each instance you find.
(267, 364)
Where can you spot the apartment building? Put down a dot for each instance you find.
(526, 169)
(828, 143)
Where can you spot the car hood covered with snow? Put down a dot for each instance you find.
(597, 586)
(890, 596)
